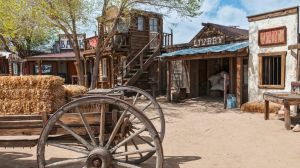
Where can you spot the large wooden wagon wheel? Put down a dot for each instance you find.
(146, 103)
(102, 136)
(143, 101)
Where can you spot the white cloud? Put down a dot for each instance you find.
(228, 15)
(259, 6)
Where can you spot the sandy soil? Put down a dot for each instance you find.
(199, 133)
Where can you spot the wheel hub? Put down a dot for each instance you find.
(99, 158)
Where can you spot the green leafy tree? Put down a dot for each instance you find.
(67, 16)
(22, 28)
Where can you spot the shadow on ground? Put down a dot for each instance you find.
(18, 159)
(172, 161)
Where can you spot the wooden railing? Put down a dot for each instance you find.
(140, 54)
(140, 57)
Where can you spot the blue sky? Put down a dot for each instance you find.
(226, 12)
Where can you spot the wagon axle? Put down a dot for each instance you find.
(99, 158)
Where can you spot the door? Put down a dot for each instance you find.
(153, 23)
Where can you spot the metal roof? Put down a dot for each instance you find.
(211, 49)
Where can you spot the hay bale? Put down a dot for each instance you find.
(259, 107)
(25, 95)
(74, 90)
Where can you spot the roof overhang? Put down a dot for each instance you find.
(221, 51)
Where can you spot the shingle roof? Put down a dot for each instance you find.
(230, 30)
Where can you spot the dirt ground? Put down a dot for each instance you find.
(200, 133)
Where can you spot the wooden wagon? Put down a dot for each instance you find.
(121, 127)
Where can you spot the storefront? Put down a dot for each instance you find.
(272, 65)
(60, 64)
(199, 68)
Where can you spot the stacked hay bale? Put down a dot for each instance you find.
(75, 90)
(28, 95)
(259, 107)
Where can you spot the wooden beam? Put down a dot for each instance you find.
(169, 80)
(296, 46)
(239, 81)
(274, 14)
(207, 56)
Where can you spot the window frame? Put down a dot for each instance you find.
(283, 69)
(152, 25)
(104, 69)
(140, 18)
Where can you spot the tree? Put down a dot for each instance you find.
(186, 8)
(22, 28)
(67, 15)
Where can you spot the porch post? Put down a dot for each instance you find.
(239, 80)
(21, 68)
(169, 82)
(85, 72)
(40, 67)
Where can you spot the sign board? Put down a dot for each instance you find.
(92, 42)
(46, 69)
(209, 36)
(274, 36)
(65, 44)
(208, 41)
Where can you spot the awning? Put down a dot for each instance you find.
(226, 48)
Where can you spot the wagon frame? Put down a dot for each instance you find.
(97, 126)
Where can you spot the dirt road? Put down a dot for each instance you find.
(201, 134)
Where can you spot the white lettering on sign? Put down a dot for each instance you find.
(209, 41)
(66, 44)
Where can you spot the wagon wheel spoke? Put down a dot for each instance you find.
(75, 135)
(144, 140)
(66, 162)
(135, 145)
(143, 110)
(151, 119)
(126, 149)
(134, 152)
(70, 148)
(102, 124)
(87, 127)
(116, 129)
(127, 139)
(125, 165)
(135, 98)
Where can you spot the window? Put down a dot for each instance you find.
(47, 69)
(140, 23)
(272, 70)
(153, 25)
(104, 68)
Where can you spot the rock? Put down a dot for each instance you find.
(296, 128)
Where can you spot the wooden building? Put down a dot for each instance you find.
(61, 62)
(130, 58)
(215, 50)
(274, 52)
(10, 64)
(4, 65)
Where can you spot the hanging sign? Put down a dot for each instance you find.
(274, 36)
